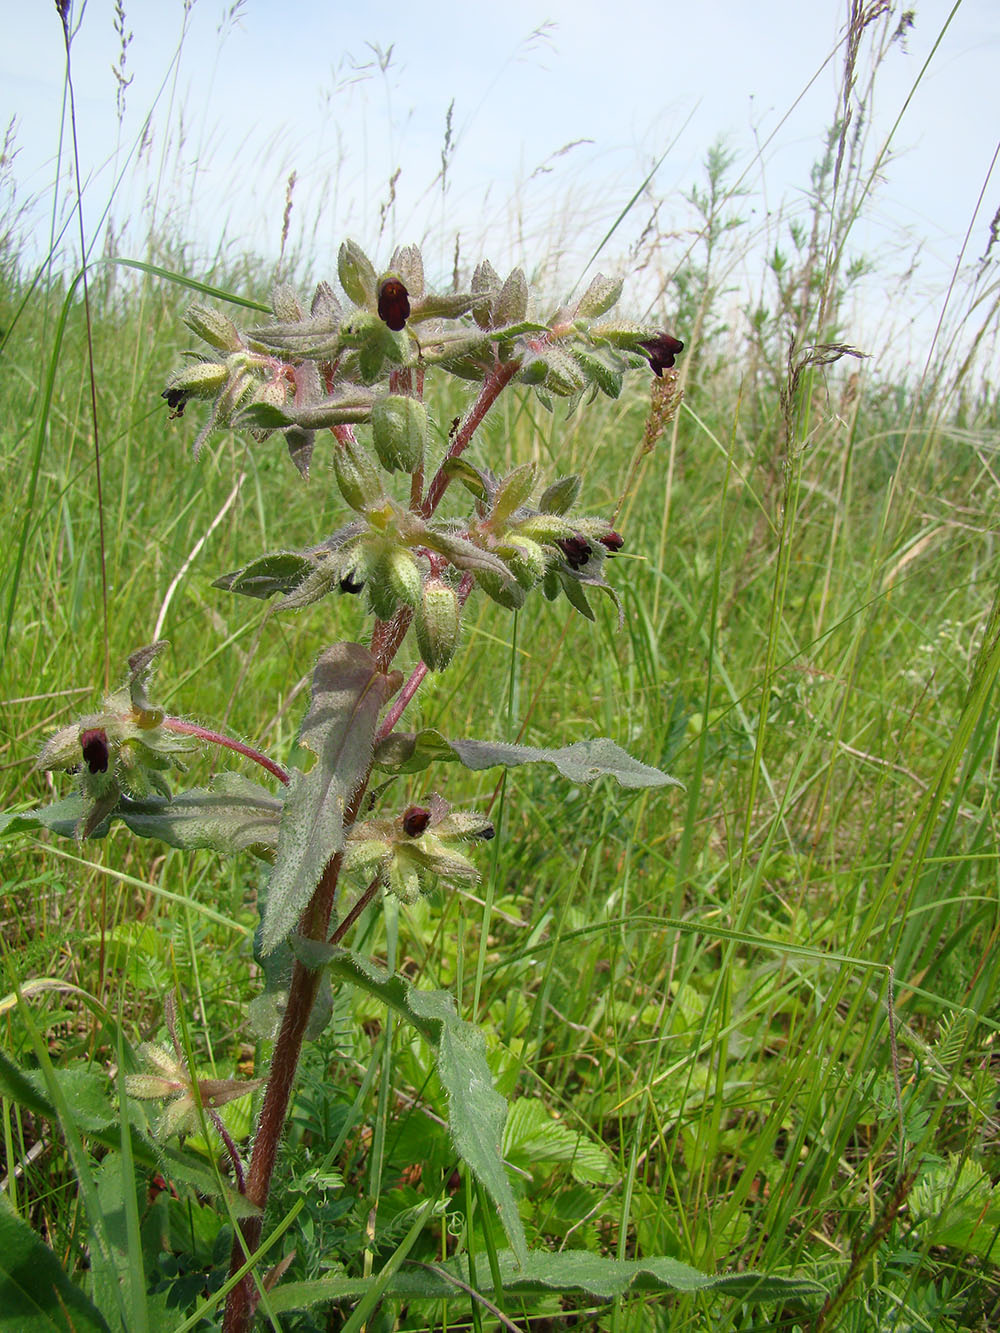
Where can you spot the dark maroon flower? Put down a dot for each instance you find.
(415, 820)
(614, 542)
(94, 744)
(394, 304)
(176, 401)
(351, 583)
(576, 550)
(661, 351)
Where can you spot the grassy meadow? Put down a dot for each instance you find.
(747, 1023)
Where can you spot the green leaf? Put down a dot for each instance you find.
(476, 1110)
(36, 1294)
(61, 817)
(600, 296)
(578, 1271)
(357, 276)
(233, 815)
(279, 571)
(348, 693)
(409, 752)
(514, 490)
(532, 1137)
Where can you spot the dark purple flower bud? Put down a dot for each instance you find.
(394, 304)
(94, 744)
(576, 550)
(485, 834)
(415, 820)
(351, 583)
(613, 541)
(176, 401)
(661, 351)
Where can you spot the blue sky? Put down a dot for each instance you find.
(272, 89)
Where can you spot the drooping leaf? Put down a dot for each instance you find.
(279, 571)
(60, 817)
(476, 1110)
(409, 752)
(591, 1275)
(233, 815)
(36, 1294)
(348, 693)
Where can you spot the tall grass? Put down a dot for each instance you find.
(768, 1005)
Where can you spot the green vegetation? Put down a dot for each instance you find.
(746, 1025)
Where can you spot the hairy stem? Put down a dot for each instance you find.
(216, 738)
(315, 922)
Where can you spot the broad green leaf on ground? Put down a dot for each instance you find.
(409, 752)
(348, 693)
(543, 1273)
(476, 1111)
(36, 1295)
(233, 815)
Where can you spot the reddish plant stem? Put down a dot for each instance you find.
(284, 1062)
(216, 738)
(487, 396)
(315, 922)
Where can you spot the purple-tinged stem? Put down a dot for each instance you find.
(216, 738)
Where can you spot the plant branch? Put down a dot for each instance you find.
(216, 738)
(488, 394)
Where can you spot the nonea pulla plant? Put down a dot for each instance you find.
(340, 384)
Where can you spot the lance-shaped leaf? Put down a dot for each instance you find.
(278, 571)
(348, 693)
(409, 752)
(464, 554)
(476, 1111)
(596, 1277)
(233, 815)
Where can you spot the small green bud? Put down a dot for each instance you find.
(437, 624)
(562, 495)
(599, 297)
(203, 379)
(213, 327)
(545, 528)
(357, 276)
(357, 476)
(564, 376)
(533, 370)
(511, 303)
(399, 432)
(505, 592)
(485, 286)
(273, 392)
(403, 576)
(381, 595)
(286, 304)
(608, 380)
(514, 490)
(408, 263)
(525, 559)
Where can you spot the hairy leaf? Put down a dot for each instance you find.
(409, 752)
(476, 1110)
(591, 1275)
(348, 693)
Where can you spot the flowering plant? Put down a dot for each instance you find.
(343, 383)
